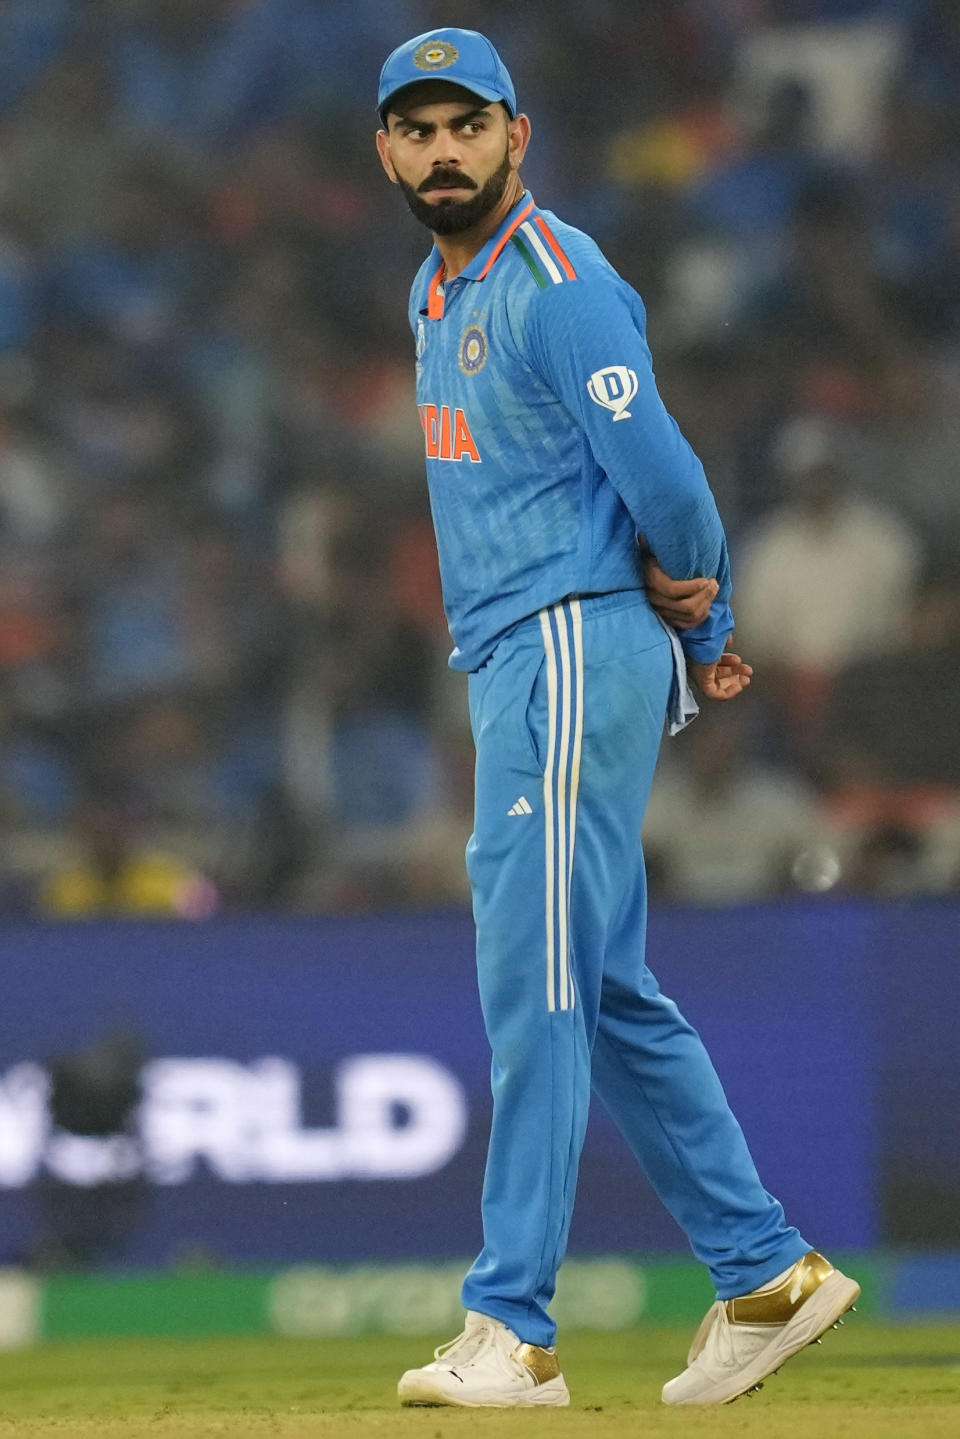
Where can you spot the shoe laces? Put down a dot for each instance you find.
(475, 1340)
(471, 1342)
(732, 1344)
(702, 1336)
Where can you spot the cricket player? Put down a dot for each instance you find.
(549, 452)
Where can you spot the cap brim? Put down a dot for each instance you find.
(483, 92)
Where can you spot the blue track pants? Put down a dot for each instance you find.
(567, 716)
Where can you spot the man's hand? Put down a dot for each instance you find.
(724, 679)
(684, 604)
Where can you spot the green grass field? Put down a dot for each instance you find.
(866, 1382)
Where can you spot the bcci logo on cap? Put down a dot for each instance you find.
(613, 388)
(435, 55)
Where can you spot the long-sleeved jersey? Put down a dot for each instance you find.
(548, 446)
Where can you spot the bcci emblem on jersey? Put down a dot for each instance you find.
(473, 350)
(613, 388)
(435, 55)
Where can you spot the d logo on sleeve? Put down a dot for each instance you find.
(613, 388)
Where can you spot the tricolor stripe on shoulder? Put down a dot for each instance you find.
(542, 253)
(507, 235)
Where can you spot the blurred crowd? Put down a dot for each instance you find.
(223, 681)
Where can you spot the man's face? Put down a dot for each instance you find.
(451, 157)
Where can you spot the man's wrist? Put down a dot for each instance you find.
(704, 650)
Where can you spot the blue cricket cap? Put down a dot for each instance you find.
(463, 57)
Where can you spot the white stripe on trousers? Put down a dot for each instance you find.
(564, 672)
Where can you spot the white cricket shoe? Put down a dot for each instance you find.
(486, 1365)
(742, 1341)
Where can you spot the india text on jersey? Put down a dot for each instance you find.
(447, 434)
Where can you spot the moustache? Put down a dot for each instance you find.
(444, 179)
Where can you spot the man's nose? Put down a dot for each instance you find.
(446, 151)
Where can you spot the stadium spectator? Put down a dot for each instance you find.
(32, 34)
(19, 293)
(894, 777)
(61, 148)
(35, 485)
(132, 278)
(826, 579)
(905, 734)
(113, 872)
(720, 830)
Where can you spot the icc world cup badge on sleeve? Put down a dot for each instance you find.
(473, 350)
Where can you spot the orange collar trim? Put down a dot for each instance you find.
(435, 296)
(504, 238)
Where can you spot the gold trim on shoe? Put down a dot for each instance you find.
(541, 1364)
(778, 1306)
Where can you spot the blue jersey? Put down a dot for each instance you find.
(548, 446)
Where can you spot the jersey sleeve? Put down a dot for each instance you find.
(587, 339)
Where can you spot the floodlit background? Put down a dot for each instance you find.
(223, 685)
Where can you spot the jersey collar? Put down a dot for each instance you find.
(484, 261)
(481, 264)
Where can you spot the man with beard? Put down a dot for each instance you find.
(548, 452)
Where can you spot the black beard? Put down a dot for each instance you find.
(452, 217)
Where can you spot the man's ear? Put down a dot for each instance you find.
(518, 138)
(383, 150)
